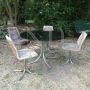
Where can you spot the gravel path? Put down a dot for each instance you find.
(62, 76)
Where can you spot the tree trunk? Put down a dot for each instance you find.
(16, 3)
(10, 12)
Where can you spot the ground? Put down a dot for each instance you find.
(62, 75)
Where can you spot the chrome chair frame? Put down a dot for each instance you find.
(75, 47)
(22, 54)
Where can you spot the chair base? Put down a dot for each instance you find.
(70, 58)
(25, 70)
(69, 61)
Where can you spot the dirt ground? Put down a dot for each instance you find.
(61, 76)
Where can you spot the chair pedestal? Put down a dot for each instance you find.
(25, 70)
(70, 58)
(69, 61)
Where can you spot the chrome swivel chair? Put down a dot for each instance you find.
(22, 55)
(75, 47)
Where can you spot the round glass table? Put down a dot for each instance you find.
(42, 36)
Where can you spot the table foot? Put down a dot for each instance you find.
(46, 61)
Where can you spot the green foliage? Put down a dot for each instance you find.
(59, 13)
(56, 13)
(8, 11)
(25, 11)
(2, 34)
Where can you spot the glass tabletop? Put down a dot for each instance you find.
(41, 35)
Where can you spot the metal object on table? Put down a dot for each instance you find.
(48, 29)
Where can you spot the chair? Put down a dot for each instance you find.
(15, 36)
(22, 55)
(82, 26)
(74, 46)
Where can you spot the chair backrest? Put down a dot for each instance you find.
(12, 46)
(47, 28)
(13, 33)
(81, 39)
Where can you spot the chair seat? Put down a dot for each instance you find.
(26, 53)
(70, 46)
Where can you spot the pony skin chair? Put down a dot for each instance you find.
(22, 55)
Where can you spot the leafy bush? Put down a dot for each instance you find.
(59, 13)
(50, 13)
(2, 34)
(55, 13)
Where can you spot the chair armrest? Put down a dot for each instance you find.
(26, 49)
